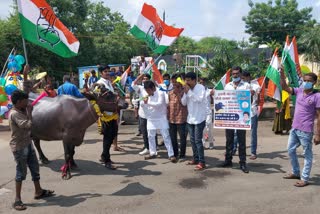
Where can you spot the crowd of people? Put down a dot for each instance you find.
(180, 106)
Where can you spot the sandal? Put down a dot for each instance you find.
(118, 149)
(291, 176)
(110, 166)
(45, 193)
(200, 167)
(193, 162)
(19, 205)
(301, 184)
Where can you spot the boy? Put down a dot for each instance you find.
(22, 149)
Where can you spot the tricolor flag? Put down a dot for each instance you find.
(223, 81)
(274, 86)
(261, 82)
(156, 75)
(289, 56)
(41, 26)
(150, 28)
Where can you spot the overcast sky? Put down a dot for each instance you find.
(199, 18)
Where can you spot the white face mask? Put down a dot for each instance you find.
(236, 79)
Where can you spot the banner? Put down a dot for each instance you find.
(232, 109)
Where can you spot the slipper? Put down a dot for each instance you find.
(110, 166)
(193, 162)
(200, 167)
(19, 205)
(301, 184)
(291, 176)
(119, 149)
(45, 193)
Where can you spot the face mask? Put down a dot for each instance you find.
(166, 82)
(307, 85)
(235, 79)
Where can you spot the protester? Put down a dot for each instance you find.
(109, 121)
(20, 121)
(92, 79)
(208, 139)
(142, 65)
(177, 115)
(196, 101)
(129, 82)
(282, 120)
(155, 108)
(255, 90)
(236, 84)
(307, 109)
(68, 88)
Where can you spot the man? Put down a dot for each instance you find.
(307, 109)
(109, 120)
(68, 88)
(196, 101)
(155, 107)
(92, 79)
(139, 89)
(142, 65)
(177, 115)
(129, 82)
(255, 90)
(20, 121)
(209, 127)
(236, 84)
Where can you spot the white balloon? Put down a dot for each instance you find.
(3, 109)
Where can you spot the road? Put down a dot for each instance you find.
(159, 186)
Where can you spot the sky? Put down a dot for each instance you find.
(199, 18)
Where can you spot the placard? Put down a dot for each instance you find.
(232, 109)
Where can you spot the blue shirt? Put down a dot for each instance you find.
(92, 80)
(69, 89)
(130, 80)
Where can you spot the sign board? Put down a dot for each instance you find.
(232, 109)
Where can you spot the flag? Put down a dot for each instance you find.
(124, 76)
(151, 29)
(289, 56)
(41, 26)
(274, 87)
(156, 75)
(223, 81)
(296, 59)
(261, 82)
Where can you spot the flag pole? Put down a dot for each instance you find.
(25, 51)
(5, 64)
(150, 67)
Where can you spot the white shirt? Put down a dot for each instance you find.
(106, 83)
(156, 111)
(196, 102)
(168, 88)
(241, 86)
(139, 89)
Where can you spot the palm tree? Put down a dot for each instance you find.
(311, 43)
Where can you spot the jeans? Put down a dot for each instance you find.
(297, 138)
(110, 131)
(26, 157)
(241, 136)
(196, 132)
(181, 129)
(254, 137)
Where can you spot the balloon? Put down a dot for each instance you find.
(18, 68)
(2, 81)
(3, 109)
(12, 66)
(3, 98)
(9, 89)
(20, 59)
(11, 57)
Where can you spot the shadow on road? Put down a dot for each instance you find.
(133, 189)
(64, 201)
(87, 167)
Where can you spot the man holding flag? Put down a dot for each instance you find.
(306, 111)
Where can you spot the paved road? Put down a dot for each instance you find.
(158, 186)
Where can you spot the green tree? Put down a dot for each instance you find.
(310, 41)
(207, 44)
(274, 20)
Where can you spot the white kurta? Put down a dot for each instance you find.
(156, 111)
